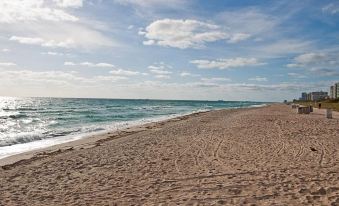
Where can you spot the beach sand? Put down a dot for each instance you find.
(257, 156)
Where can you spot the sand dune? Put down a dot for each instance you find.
(259, 156)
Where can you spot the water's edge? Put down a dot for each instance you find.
(14, 153)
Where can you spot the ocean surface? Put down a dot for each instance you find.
(32, 123)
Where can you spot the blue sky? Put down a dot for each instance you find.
(209, 50)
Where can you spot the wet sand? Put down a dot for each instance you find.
(258, 156)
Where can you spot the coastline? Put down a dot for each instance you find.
(89, 140)
(261, 156)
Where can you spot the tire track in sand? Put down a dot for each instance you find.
(282, 144)
(193, 142)
(216, 151)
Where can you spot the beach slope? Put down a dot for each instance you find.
(257, 156)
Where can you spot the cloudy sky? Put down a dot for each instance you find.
(186, 49)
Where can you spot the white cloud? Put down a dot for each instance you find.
(152, 3)
(123, 72)
(315, 60)
(291, 65)
(7, 64)
(54, 53)
(249, 21)
(258, 79)
(31, 10)
(149, 42)
(162, 76)
(160, 69)
(185, 74)
(326, 72)
(267, 29)
(38, 78)
(63, 79)
(118, 72)
(226, 63)
(70, 84)
(188, 74)
(332, 8)
(27, 40)
(47, 23)
(90, 64)
(110, 78)
(105, 65)
(320, 64)
(235, 38)
(182, 34)
(283, 46)
(58, 34)
(69, 3)
(69, 43)
(5, 50)
(69, 64)
(216, 79)
(310, 58)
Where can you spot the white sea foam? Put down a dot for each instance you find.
(88, 131)
(5, 114)
(34, 123)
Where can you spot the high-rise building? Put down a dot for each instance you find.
(303, 96)
(316, 96)
(336, 89)
(332, 92)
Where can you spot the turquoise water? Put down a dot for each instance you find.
(31, 123)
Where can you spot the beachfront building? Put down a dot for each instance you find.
(309, 97)
(314, 96)
(303, 96)
(334, 91)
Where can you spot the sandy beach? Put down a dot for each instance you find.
(256, 156)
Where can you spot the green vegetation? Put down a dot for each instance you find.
(326, 104)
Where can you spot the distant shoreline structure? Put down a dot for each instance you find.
(321, 95)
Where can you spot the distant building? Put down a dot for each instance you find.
(316, 96)
(332, 92)
(309, 97)
(303, 96)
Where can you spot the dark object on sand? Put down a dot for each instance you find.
(319, 105)
(303, 110)
(313, 149)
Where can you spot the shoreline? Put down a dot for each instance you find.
(89, 140)
(253, 156)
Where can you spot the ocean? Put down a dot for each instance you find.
(33, 123)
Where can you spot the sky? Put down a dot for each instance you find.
(259, 50)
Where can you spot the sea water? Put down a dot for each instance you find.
(33, 123)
